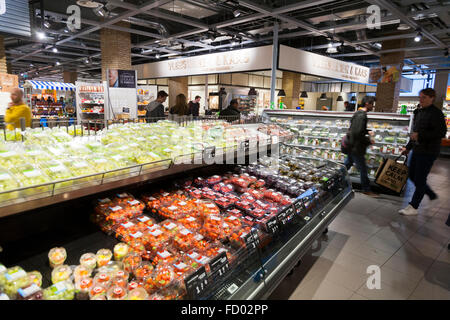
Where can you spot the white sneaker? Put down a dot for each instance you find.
(408, 211)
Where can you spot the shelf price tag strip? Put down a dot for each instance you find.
(219, 264)
(197, 283)
(251, 241)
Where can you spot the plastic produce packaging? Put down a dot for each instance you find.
(13, 279)
(63, 290)
(120, 251)
(131, 262)
(137, 294)
(117, 293)
(88, 260)
(103, 257)
(61, 273)
(31, 292)
(97, 291)
(57, 256)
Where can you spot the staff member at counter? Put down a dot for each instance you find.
(16, 110)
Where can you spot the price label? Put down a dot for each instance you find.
(144, 219)
(251, 240)
(272, 225)
(197, 283)
(220, 264)
(134, 202)
(299, 206)
(282, 217)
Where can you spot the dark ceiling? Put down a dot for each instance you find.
(181, 28)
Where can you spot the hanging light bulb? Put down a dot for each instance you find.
(418, 37)
(55, 49)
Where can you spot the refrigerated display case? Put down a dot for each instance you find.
(319, 134)
(286, 208)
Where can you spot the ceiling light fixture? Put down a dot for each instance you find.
(47, 24)
(100, 12)
(418, 37)
(304, 95)
(331, 50)
(55, 50)
(157, 56)
(86, 60)
(339, 98)
(281, 93)
(323, 96)
(57, 63)
(237, 13)
(41, 35)
(377, 44)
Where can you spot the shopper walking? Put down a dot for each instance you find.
(231, 113)
(16, 110)
(180, 108)
(194, 107)
(429, 128)
(359, 140)
(155, 109)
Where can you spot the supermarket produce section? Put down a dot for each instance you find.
(215, 232)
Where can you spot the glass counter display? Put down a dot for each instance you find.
(319, 134)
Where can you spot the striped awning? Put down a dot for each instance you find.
(49, 85)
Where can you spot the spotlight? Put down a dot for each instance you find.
(86, 60)
(237, 13)
(41, 35)
(330, 44)
(418, 37)
(100, 12)
(378, 45)
(66, 30)
(157, 56)
(47, 24)
(57, 63)
(55, 49)
(416, 71)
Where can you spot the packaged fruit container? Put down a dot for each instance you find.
(155, 238)
(137, 294)
(13, 279)
(117, 293)
(131, 262)
(61, 273)
(163, 275)
(97, 291)
(35, 277)
(31, 292)
(63, 290)
(103, 257)
(88, 260)
(57, 256)
(81, 272)
(212, 227)
(143, 271)
(191, 223)
(164, 255)
(120, 251)
(183, 240)
(102, 278)
(170, 227)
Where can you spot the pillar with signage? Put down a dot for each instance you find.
(116, 49)
(388, 87)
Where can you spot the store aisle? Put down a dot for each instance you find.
(410, 251)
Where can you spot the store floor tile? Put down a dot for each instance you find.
(411, 251)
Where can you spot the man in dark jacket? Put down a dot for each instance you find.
(359, 140)
(429, 128)
(231, 113)
(194, 107)
(155, 109)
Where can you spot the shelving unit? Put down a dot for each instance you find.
(319, 134)
(90, 101)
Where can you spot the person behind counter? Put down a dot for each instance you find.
(16, 110)
(194, 106)
(180, 108)
(155, 109)
(231, 113)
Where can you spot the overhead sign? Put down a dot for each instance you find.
(252, 59)
(292, 59)
(15, 17)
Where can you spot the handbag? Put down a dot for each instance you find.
(346, 148)
(392, 174)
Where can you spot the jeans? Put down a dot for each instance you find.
(360, 162)
(419, 168)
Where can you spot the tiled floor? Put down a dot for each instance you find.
(411, 252)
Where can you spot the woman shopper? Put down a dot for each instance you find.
(16, 110)
(180, 108)
(429, 128)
